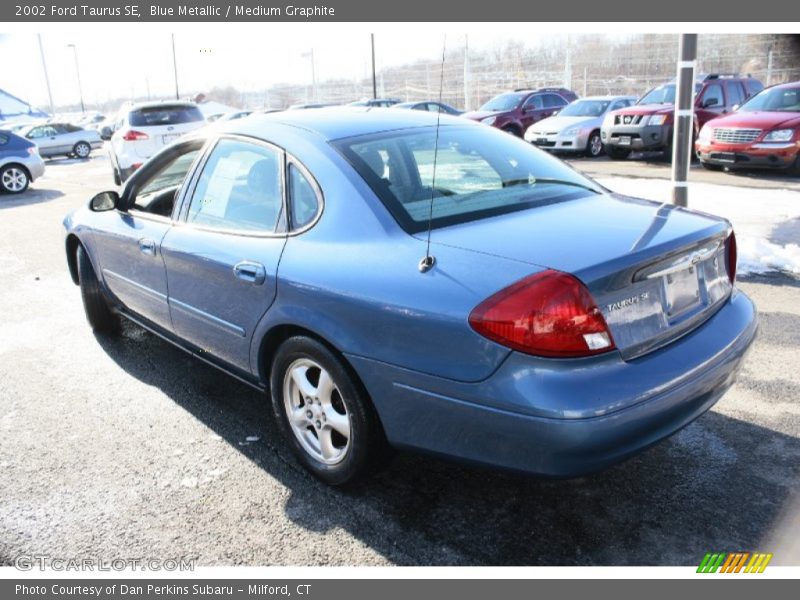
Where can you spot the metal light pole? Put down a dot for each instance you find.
(374, 79)
(46, 76)
(310, 56)
(684, 118)
(175, 69)
(78, 74)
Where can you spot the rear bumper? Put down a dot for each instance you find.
(565, 418)
(758, 155)
(649, 137)
(35, 166)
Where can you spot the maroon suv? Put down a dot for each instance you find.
(515, 111)
(647, 125)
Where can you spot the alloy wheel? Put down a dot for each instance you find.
(595, 145)
(14, 179)
(316, 411)
(82, 150)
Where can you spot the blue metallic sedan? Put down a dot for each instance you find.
(393, 281)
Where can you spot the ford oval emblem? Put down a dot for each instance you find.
(170, 128)
(626, 120)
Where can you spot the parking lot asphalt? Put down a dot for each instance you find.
(126, 447)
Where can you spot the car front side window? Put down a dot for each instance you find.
(156, 194)
(240, 188)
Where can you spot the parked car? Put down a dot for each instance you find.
(514, 112)
(555, 328)
(307, 105)
(62, 139)
(648, 125)
(232, 116)
(430, 106)
(763, 133)
(143, 129)
(376, 102)
(576, 128)
(20, 163)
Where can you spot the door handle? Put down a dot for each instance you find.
(147, 246)
(251, 272)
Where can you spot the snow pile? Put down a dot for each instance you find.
(754, 212)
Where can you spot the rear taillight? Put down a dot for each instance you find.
(730, 249)
(547, 314)
(132, 135)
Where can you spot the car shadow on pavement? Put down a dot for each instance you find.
(29, 197)
(721, 484)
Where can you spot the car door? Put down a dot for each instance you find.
(128, 244)
(222, 260)
(44, 137)
(710, 104)
(63, 139)
(553, 103)
(532, 111)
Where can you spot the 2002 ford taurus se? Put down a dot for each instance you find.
(552, 327)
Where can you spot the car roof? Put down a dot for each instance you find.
(346, 121)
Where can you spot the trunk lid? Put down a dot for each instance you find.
(655, 271)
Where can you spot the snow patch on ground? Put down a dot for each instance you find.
(754, 212)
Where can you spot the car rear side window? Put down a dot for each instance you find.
(239, 188)
(164, 115)
(735, 93)
(480, 172)
(302, 198)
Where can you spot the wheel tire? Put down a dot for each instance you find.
(99, 315)
(512, 130)
(710, 166)
(14, 179)
(349, 458)
(594, 145)
(617, 154)
(82, 150)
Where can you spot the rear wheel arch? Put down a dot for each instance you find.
(278, 334)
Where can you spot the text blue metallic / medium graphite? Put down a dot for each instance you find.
(560, 329)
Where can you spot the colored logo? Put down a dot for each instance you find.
(734, 562)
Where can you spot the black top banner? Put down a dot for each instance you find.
(405, 11)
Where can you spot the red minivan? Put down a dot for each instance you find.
(763, 133)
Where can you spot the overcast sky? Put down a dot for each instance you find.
(125, 62)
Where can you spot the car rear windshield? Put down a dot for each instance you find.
(775, 100)
(480, 172)
(165, 115)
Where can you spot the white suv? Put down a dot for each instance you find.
(143, 129)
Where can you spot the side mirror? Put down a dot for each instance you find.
(106, 133)
(104, 201)
(708, 102)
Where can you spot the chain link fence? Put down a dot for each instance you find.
(587, 64)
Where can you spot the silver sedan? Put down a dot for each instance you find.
(576, 128)
(62, 139)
